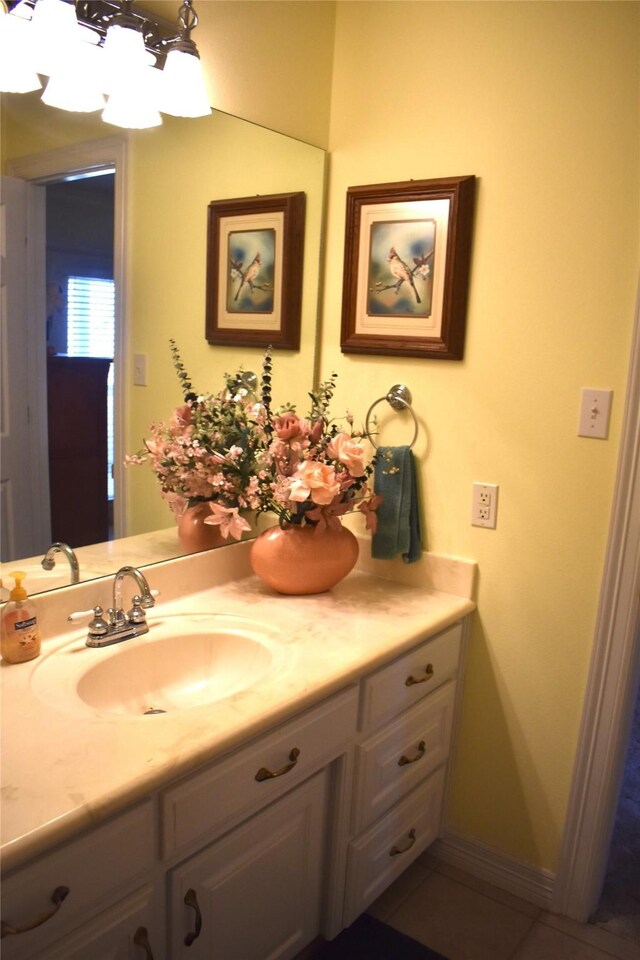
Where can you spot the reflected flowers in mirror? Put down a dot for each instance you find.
(207, 452)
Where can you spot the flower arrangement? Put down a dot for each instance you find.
(236, 454)
(207, 452)
(310, 470)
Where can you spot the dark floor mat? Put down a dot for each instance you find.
(370, 939)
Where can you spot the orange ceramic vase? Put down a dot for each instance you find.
(298, 560)
(194, 534)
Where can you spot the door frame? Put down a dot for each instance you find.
(612, 683)
(42, 168)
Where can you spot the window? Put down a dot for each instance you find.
(91, 333)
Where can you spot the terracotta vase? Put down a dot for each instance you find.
(194, 534)
(303, 559)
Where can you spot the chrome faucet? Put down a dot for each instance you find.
(48, 562)
(119, 625)
(146, 599)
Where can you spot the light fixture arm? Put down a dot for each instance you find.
(187, 21)
(159, 33)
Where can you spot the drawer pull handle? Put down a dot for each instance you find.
(58, 896)
(141, 939)
(191, 900)
(264, 774)
(396, 850)
(426, 676)
(421, 752)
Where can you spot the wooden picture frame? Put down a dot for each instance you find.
(406, 268)
(255, 250)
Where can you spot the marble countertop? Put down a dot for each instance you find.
(64, 770)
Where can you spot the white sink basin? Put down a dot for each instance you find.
(182, 663)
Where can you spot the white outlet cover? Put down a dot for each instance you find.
(484, 505)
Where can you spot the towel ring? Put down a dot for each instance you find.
(398, 397)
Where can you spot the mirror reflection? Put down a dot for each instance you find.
(116, 269)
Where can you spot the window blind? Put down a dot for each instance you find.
(91, 333)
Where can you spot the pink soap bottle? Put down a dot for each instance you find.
(20, 637)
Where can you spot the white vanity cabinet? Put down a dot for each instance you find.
(91, 897)
(259, 823)
(406, 717)
(287, 836)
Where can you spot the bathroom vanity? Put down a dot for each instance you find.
(245, 826)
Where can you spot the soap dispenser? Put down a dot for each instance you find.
(20, 638)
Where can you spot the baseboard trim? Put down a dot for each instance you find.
(533, 884)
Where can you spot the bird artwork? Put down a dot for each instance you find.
(401, 272)
(247, 276)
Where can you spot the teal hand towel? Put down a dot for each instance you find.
(398, 529)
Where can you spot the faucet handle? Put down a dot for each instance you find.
(83, 614)
(136, 614)
(98, 626)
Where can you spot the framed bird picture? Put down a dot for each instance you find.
(407, 258)
(255, 249)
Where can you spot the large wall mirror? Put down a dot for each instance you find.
(134, 232)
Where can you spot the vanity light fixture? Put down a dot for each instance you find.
(183, 89)
(96, 49)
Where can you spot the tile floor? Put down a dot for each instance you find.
(467, 919)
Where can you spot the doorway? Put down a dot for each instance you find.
(80, 345)
(78, 160)
(618, 910)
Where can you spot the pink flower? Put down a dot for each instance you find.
(290, 427)
(315, 480)
(316, 431)
(328, 517)
(228, 519)
(368, 509)
(134, 458)
(285, 457)
(182, 415)
(349, 451)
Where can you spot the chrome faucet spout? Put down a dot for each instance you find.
(48, 562)
(146, 598)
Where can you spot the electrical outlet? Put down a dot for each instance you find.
(484, 505)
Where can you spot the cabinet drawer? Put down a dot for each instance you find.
(396, 758)
(96, 868)
(409, 678)
(379, 855)
(207, 803)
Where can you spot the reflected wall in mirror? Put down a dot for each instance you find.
(165, 179)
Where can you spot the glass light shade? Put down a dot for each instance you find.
(76, 79)
(17, 74)
(184, 93)
(133, 104)
(124, 56)
(54, 27)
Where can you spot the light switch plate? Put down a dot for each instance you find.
(595, 413)
(140, 369)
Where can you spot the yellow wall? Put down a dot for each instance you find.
(540, 102)
(269, 62)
